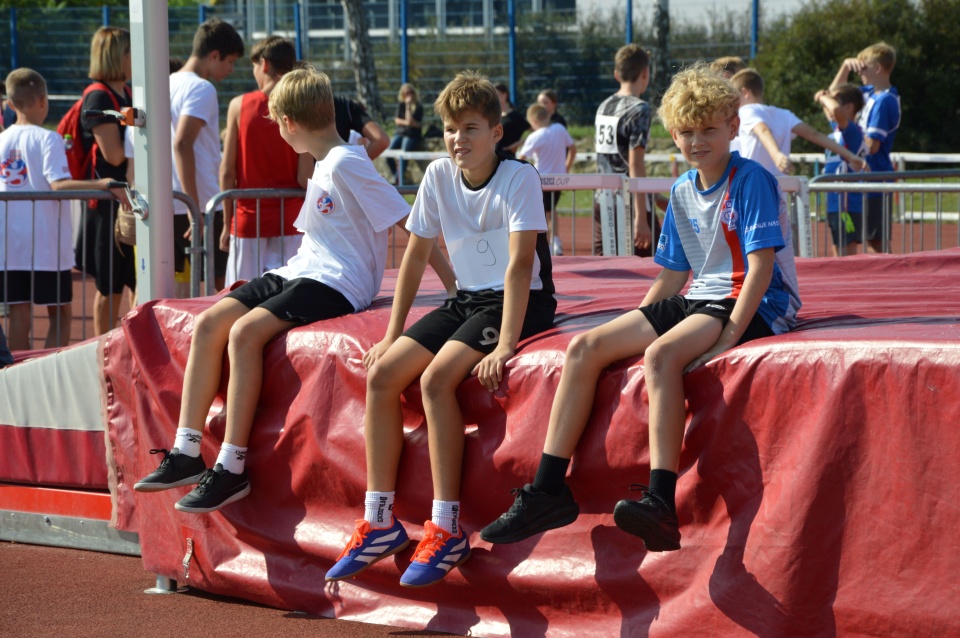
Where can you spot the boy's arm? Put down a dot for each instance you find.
(850, 65)
(305, 167)
(82, 184)
(378, 139)
(516, 295)
(759, 275)
(228, 167)
(781, 161)
(188, 129)
(811, 134)
(667, 284)
(832, 109)
(571, 157)
(412, 267)
(641, 223)
(438, 261)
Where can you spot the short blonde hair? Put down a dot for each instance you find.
(751, 80)
(697, 95)
(728, 65)
(107, 49)
(880, 52)
(538, 114)
(469, 91)
(305, 97)
(24, 87)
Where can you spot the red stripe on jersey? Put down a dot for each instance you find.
(739, 273)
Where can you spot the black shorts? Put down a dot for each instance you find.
(475, 318)
(667, 313)
(302, 300)
(98, 254)
(875, 216)
(50, 288)
(550, 199)
(845, 228)
(180, 244)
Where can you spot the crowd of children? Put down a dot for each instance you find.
(725, 224)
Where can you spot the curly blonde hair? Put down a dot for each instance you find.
(697, 95)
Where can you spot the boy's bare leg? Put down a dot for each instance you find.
(204, 364)
(247, 338)
(664, 363)
(19, 336)
(106, 311)
(400, 366)
(58, 332)
(444, 420)
(587, 355)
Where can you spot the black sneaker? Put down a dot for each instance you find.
(532, 512)
(649, 518)
(175, 470)
(217, 488)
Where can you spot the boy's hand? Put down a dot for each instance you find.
(490, 369)
(784, 164)
(859, 164)
(372, 355)
(718, 348)
(225, 239)
(819, 94)
(189, 234)
(853, 65)
(641, 233)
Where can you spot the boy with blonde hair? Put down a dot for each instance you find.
(553, 152)
(490, 212)
(36, 240)
(766, 131)
(724, 223)
(879, 120)
(345, 220)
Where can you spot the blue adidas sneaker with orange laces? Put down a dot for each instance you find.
(436, 555)
(366, 547)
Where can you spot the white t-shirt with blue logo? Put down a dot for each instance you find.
(346, 217)
(34, 235)
(711, 232)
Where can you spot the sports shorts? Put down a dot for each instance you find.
(50, 288)
(667, 313)
(301, 300)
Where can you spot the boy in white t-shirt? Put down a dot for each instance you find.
(766, 131)
(346, 218)
(195, 133)
(36, 238)
(490, 212)
(553, 152)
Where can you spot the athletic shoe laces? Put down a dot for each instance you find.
(428, 547)
(519, 502)
(359, 535)
(167, 457)
(206, 482)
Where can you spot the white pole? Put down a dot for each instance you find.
(150, 49)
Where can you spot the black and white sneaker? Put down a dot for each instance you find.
(532, 512)
(175, 470)
(217, 488)
(649, 518)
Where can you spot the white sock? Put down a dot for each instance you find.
(188, 441)
(446, 515)
(378, 509)
(232, 457)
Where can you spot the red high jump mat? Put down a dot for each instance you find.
(818, 491)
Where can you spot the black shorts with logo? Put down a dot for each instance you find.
(301, 300)
(667, 313)
(475, 318)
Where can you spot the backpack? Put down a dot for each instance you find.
(80, 160)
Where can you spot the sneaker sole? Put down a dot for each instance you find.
(396, 550)
(160, 487)
(205, 510)
(434, 582)
(649, 531)
(566, 518)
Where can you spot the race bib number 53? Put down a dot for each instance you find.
(606, 141)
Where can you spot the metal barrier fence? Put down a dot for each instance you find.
(63, 332)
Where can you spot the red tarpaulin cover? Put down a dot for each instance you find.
(818, 490)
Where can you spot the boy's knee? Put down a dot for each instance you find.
(436, 382)
(381, 378)
(659, 357)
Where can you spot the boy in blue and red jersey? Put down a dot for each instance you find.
(724, 223)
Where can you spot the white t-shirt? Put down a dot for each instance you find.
(346, 216)
(192, 95)
(548, 148)
(34, 235)
(476, 223)
(779, 121)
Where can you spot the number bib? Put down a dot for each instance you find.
(480, 260)
(606, 133)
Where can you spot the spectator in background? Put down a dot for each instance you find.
(255, 156)
(726, 67)
(409, 121)
(36, 256)
(353, 116)
(548, 99)
(97, 254)
(513, 123)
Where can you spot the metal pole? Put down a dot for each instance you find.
(14, 57)
(512, 17)
(404, 42)
(297, 26)
(754, 27)
(202, 13)
(150, 45)
(629, 21)
(106, 15)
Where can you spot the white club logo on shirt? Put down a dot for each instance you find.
(729, 215)
(325, 204)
